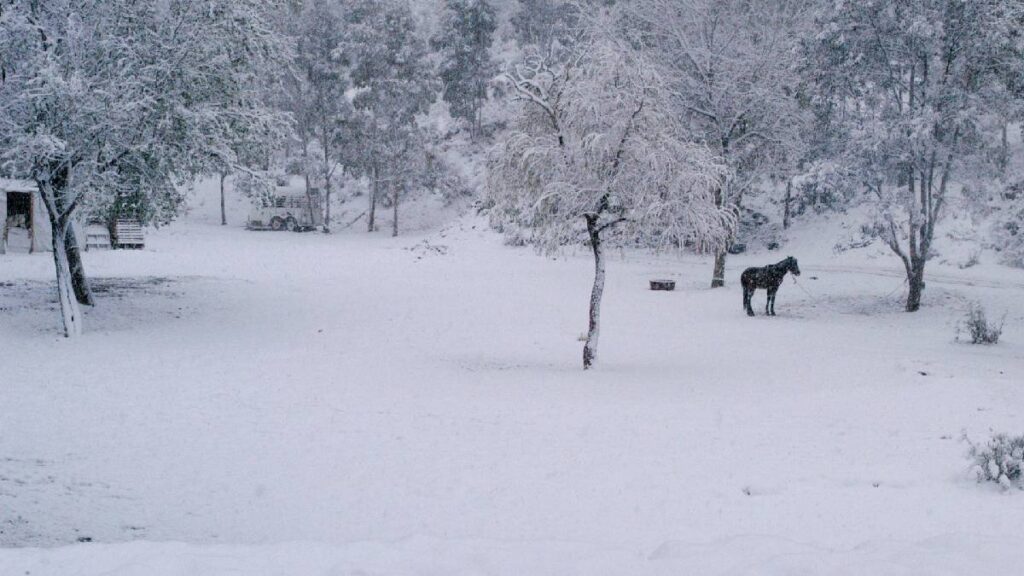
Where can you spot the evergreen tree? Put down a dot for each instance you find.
(464, 43)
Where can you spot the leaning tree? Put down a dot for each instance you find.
(595, 155)
(102, 98)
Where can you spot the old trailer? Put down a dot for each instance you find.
(288, 209)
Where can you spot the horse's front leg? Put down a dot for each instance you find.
(769, 307)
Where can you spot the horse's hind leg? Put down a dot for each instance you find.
(747, 295)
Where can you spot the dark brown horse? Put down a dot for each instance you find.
(770, 278)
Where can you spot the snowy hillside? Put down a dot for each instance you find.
(511, 288)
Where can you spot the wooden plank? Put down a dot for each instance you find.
(128, 233)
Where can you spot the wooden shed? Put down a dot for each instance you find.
(22, 213)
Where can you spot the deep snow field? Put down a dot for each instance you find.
(257, 403)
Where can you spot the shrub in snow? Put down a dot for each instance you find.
(1000, 460)
(977, 325)
(973, 259)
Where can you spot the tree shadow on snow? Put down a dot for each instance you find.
(30, 306)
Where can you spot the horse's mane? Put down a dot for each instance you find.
(783, 263)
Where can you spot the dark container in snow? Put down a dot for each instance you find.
(663, 284)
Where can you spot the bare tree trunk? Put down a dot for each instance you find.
(371, 224)
(79, 282)
(594, 330)
(327, 210)
(394, 219)
(223, 211)
(327, 185)
(478, 119)
(915, 280)
(718, 276)
(71, 314)
(60, 212)
(1004, 150)
(786, 204)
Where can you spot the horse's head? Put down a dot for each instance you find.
(792, 266)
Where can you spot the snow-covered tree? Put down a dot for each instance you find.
(597, 155)
(916, 80)
(100, 97)
(394, 83)
(732, 68)
(408, 172)
(319, 103)
(464, 43)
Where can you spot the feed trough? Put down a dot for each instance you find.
(663, 284)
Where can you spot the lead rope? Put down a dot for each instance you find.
(821, 302)
(900, 286)
(804, 290)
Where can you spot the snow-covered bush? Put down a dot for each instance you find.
(1000, 460)
(257, 185)
(821, 187)
(976, 324)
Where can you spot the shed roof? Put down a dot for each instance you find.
(9, 185)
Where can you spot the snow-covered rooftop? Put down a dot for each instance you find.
(11, 185)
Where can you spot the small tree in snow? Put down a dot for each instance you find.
(595, 155)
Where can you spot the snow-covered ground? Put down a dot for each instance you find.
(278, 403)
